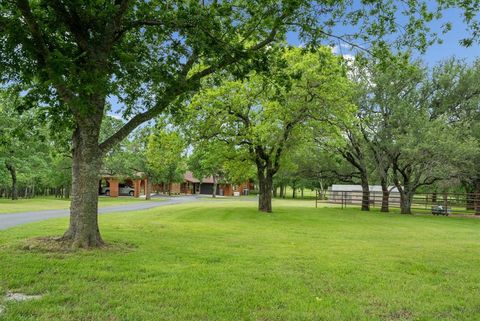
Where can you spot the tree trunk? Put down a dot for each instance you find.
(406, 202)
(265, 181)
(13, 175)
(148, 189)
(365, 194)
(385, 197)
(275, 191)
(282, 191)
(294, 192)
(214, 191)
(87, 158)
(477, 197)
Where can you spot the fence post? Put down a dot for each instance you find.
(445, 202)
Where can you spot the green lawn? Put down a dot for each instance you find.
(51, 203)
(307, 193)
(225, 261)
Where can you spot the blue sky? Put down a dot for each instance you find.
(450, 46)
(438, 52)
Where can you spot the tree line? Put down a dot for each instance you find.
(311, 120)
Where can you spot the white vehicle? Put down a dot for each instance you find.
(123, 189)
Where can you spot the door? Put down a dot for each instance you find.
(206, 188)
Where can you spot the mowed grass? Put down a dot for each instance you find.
(226, 261)
(51, 203)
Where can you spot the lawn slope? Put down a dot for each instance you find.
(226, 261)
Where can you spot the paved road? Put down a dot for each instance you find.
(10, 220)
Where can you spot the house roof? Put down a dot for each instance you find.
(136, 175)
(358, 188)
(188, 177)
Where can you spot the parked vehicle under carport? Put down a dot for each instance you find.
(123, 189)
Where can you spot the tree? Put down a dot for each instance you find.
(455, 97)
(324, 167)
(264, 115)
(407, 130)
(149, 54)
(23, 143)
(165, 156)
(209, 159)
(354, 152)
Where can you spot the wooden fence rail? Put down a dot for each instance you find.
(435, 203)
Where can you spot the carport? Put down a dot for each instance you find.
(140, 184)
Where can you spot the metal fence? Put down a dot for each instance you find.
(434, 203)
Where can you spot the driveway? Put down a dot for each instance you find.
(10, 220)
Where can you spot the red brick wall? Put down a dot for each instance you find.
(113, 184)
(227, 189)
(175, 188)
(136, 187)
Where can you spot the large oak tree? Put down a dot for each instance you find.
(264, 116)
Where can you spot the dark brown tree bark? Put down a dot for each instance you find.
(365, 193)
(282, 191)
(385, 197)
(405, 188)
(214, 191)
(406, 202)
(13, 174)
(406, 196)
(265, 182)
(356, 157)
(83, 230)
(148, 189)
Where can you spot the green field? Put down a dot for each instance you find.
(51, 203)
(226, 261)
(307, 193)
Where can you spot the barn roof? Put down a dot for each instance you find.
(358, 188)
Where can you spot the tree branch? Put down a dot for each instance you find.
(41, 49)
(180, 86)
(37, 35)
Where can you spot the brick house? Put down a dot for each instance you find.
(192, 185)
